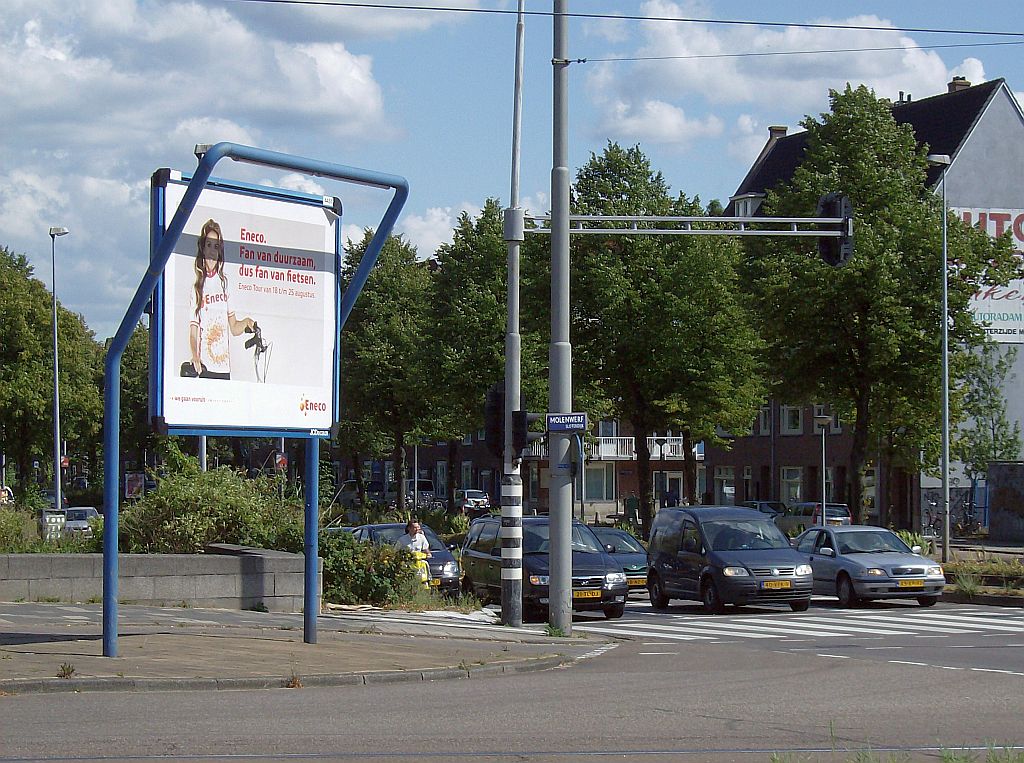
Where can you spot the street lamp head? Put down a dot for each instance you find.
(822, 420)
(58, 231)
(938, 160)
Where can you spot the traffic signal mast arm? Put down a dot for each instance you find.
(833, 227)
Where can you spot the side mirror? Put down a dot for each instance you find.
(915, 549)
(826, 551)
(792, 542)
(496, 551)
(452, 546)
(609, 548)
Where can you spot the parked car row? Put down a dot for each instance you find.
(718, 555)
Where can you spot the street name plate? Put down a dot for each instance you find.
(567, 422)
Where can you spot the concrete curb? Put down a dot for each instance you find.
(55, 685)
(986, 599)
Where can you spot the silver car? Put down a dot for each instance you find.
(860, 562)
(80, 519)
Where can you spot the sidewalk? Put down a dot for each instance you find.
(55, 647)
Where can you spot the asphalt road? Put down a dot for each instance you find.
(818, 685)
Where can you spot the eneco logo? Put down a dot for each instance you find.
(306, 405)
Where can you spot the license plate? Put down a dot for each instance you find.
(637, 581)
(776, 584)
(586, 594)
(836, 522)
(910, 584)
(435, 581)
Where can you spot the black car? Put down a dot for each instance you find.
(628, 552)
(444, 567)
(724, 555)
(598, 582)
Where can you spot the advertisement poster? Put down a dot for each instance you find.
(249, 314)
(1000, 309)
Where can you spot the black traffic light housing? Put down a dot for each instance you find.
(521, 434)
(836, 251)
(494, 419)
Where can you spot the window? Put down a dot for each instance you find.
(689, 541)
(725, 485)
(600, 483)
(792, 419)
(764, 420)
(748, 482)
(468, 439)
(608, 428)
(791, 483)
(485, 540)
(441, 480)
(807, 544)
(481, 435)
(467, 475)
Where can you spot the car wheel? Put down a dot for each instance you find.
(658, 598)
(844, 590)
(799, 606)
(712, 601)
(614, 611)
(927, 601)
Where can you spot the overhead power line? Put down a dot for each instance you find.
(629, 17)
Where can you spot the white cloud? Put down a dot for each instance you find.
(657, 122)
(428, 231)
(747, 140)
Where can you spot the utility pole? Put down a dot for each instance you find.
(512, 481)
(560, 350)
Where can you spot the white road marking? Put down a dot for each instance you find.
(883, 623)
(632, 632)
(821, 623)
(649, 654)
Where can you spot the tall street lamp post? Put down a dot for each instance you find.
(823, 422)
(57, 504)
(943, 161)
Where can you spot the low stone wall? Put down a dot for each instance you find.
(230, 577)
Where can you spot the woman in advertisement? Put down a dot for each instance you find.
(210, 316)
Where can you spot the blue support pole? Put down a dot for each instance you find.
(158, 261)
(311, 546)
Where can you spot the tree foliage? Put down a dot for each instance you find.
(866, 336)
(988, 435)
(659, 330)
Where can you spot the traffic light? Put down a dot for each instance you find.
(494, 419)
(521, 434)
(836, 251)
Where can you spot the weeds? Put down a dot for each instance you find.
(554, 630)
(967, 583)
(66, 670)
(294, 682)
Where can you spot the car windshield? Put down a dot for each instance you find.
(624, 542)
(836, 511)
(744, 534)
(78, 515)
(475, 494)
(388, 536)
(872, 542)
(537, 540)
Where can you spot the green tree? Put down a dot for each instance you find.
(26, 371)
(866, 336)
(659, 330)
(988, 435)
(385, 353)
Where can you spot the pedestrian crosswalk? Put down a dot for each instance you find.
(822, 624)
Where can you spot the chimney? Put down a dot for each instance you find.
(777, 131)
(904, 99)
(958, 84)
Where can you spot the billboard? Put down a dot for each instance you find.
(248, 312)
(1000, 309)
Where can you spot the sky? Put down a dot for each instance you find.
(98, 94)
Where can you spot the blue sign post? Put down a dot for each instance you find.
(210, 156)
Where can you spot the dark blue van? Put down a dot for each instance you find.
(724, 555)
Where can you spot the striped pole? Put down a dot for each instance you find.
(512, 550)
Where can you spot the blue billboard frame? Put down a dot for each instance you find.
(161, 179)
(209, 156)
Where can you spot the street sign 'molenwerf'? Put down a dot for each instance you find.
(567, 422)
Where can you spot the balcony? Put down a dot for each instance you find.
(622, 449)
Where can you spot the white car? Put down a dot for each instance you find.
(80, 519)
(473, 503)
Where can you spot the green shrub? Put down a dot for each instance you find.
(364, 573)
(915, 539)
(16, 528)
(191, 509)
